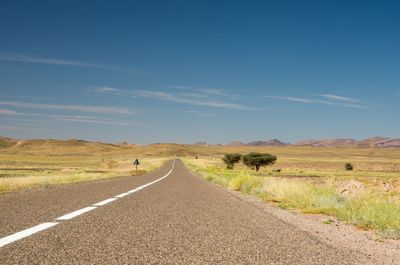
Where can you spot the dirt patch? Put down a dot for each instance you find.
(310, 179)
(351, 188)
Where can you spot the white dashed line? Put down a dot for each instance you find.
(30, 231)
(105, 202)
(76, 213)
(122, 195)
(24, 233)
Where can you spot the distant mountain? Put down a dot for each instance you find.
(201, 143)
(236, 143)
(50, 144)
(374, 142)
(379, 142)
(125, 144)
(273, 142)
(7, 142)
(340, 142)
(371, 142)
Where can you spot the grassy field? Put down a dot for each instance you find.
(307, 179)
(313, 180)
(43, 163)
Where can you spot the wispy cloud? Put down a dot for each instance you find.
(340, 98)
(18, 128)
(18, 57)
(113, 91)
(293, 99)
(331, 100)
(38, 117)
(79, 108)
(199, 97)
(104, 89)
(8, 112)
(95, 120)
(24, 58)
(203, 91)
(200, 113)
(191, 101)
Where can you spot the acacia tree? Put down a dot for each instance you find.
(231, 159)
(257, 160)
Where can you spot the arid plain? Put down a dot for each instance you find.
(306, 179)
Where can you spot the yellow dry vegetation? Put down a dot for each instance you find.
(40, 163)
(307, 179)
(314, 180)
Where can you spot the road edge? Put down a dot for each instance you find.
(338, 234)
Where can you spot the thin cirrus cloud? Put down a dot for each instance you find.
(160, 95)
(201, 91)
(18, 128)
(8, 112)
(94, 120)
(198, 97)
(24, 58)
(113, 91)
(199, 113)
(339, 98)
(79, 108)
(104, 89)
(328, 99)
(18, 57)
(38, 117)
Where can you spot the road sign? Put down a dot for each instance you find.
(136, 163)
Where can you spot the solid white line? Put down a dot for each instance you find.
(24, 233)
(105, 202)
(76, 213)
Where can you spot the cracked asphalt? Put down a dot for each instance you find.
(181, 219)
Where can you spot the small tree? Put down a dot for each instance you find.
(348, 166)
(231, 159)
(257, 160)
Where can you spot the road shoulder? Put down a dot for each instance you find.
(336, 234)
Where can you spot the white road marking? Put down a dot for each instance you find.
(24, 233)
(122, 195)
(105, 202)
(30, 231)
(76, 213)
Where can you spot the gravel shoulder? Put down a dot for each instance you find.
(335, 234)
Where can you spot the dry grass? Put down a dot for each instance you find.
(40, 164)
(308, 181)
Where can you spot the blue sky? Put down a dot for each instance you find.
(185, 71)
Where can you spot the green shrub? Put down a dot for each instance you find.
(348, 166)
(231, 159)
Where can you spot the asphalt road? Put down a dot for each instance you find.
(180, 219)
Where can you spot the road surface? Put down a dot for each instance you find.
(177, 218)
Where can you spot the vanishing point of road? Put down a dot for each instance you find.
(169, 216)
